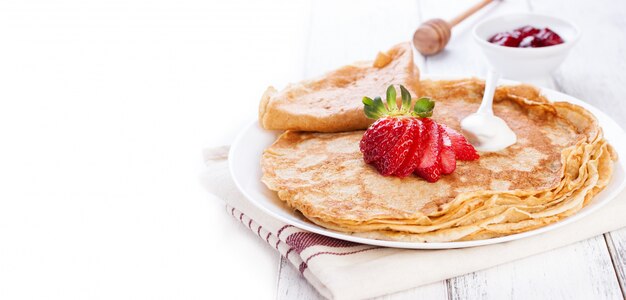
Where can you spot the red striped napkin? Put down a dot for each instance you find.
(344, 270)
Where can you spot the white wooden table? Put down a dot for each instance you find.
(593, 269)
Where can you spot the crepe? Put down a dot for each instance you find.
(559, 162)
(332, 102)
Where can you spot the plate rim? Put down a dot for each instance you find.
(437, 245)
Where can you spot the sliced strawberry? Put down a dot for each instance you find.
(429, 167)
(380, 137)
(447, 156)
(414, 154)
(394, 158)
(374, 136)
(404, 140)
(463, 150)
(375, 133)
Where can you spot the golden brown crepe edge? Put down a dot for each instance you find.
(272, 117)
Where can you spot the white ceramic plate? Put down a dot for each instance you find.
(244, 162)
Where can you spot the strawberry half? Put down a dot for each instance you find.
(404, 140)
(380, 137)
(401, 150)
(447, 157)
(429, 167)
(411, 162)
(463, 150)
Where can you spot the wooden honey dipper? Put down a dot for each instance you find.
(433, 35)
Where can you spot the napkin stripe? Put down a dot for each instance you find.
(278, 236)
(267, 238)
(299, 240)
(281, 230)
(241, 214)
(304, 265)
(340, 253)
(288, 251)
(250, 220)
(302, 240)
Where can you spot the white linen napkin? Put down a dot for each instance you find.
(344, 270)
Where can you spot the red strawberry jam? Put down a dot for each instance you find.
(527, 37)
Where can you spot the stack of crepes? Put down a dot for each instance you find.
(560, 160)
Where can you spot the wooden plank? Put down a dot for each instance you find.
(579, 271)
(292, 285)
(616, 241)
(433, 291)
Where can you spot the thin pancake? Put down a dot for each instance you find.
(332, 103)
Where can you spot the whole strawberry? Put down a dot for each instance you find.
(404, 140)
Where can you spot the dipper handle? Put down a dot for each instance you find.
(458, 19)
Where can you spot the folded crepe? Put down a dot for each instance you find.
(332, 103)
(561, 160)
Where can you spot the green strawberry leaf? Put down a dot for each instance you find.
(424, 107)
(391, 98)
(380, 107)
(406, 99)
(374, 108)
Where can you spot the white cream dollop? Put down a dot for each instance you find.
(487, 132)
